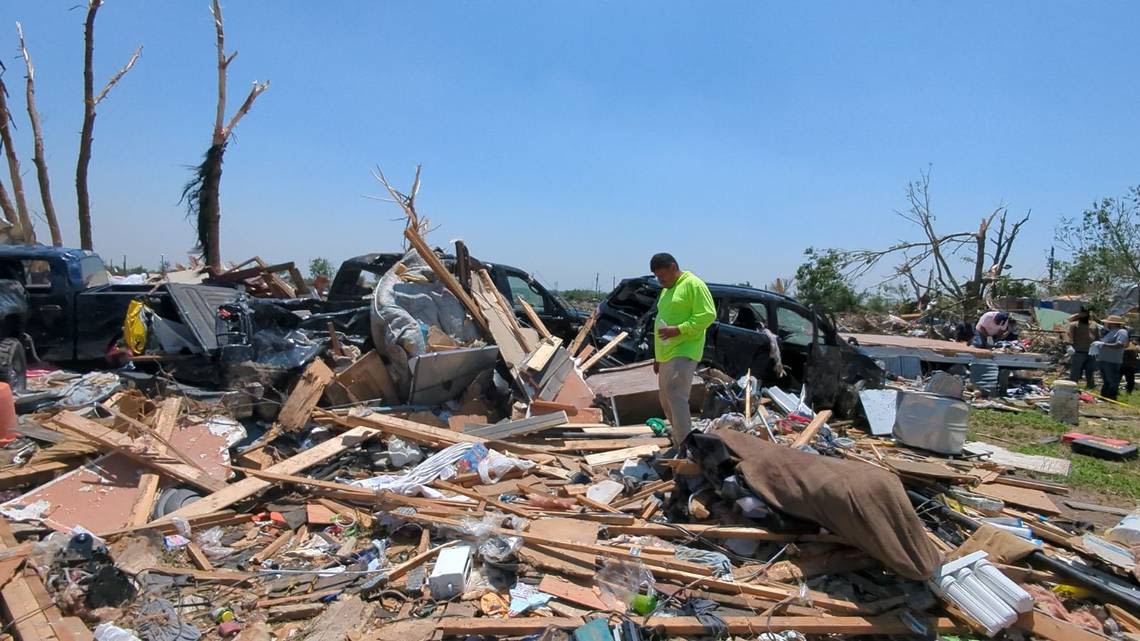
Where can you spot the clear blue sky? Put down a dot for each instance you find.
(580, 137)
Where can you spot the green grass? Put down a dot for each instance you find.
(1022, 432)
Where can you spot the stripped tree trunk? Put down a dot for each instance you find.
(203, 193)
(38, 145)
(27, 232)
(9, 209)
(90, 100)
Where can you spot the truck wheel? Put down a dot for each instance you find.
(13, 364)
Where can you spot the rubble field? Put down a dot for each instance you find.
(428, 465)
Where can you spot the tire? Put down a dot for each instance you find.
(13, 364)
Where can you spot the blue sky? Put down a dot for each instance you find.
(579, 138)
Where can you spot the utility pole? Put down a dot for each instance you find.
(1052, 262)
(597, 275)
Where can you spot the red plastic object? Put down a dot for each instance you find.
(1073, 436)
(7, 414)
(229, 628)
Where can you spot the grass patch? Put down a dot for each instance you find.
(1112, 477)
(1022, 432)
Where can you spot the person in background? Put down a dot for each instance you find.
(1111, 355)
(990, 327)
(1081, 334)
(685, 309)
(1128, 365)
(1012, 332)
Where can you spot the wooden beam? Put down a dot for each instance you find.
(532, 316)
(198, 557)
(583, 333)
(605, 445)
(1046, 627)
(604, 351)
(812, 429)
(616, 456)
(164, 423)
(119, 442)
(304, 397)
(445, 277)
(248, 487)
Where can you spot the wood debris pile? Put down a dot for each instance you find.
(350, 515)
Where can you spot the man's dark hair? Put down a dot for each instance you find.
(661, 261)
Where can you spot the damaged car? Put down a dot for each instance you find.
(810, 348)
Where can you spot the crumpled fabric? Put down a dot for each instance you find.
(720, 564)
(705, 612)
(436, 466)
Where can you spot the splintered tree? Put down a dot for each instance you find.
(38, 144)
(22, 220)
(202, 193)
(985, 252)
(1105, 242)
(86, 135)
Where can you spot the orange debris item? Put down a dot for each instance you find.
(7, 414)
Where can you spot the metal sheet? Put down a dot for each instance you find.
(198, 307)
(438, 377)
(880, 406)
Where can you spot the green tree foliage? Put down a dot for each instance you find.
(1006, 287)
(821, 282)
(1105, 244)
(320, 267)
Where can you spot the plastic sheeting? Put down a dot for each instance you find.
(402, 311)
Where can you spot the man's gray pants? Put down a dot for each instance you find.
(674, 382)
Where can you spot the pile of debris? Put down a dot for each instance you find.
(453, 474)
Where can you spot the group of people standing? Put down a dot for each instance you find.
(1105, 346)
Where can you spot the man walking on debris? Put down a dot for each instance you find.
(1111, 355)
(685, 309)
(1081, 334)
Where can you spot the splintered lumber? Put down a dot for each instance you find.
(1130, 622)
(604, 351)
(297, 408)
(148, 483)
(599, 432)
(572, 592)
(812, 429)
(298, 598)
(248, 487)
(520, 427)
(198, 557)
(399, 570)
(445, 277)
(713, 531)
(603, 445)
(532, 316)
(617, 456)
(365, 380)
(228, 577)
(692, 626)
(1044, 626)
(583, 333)
(541, 356)
(1035, 500)
(119, 442)
(28, 618)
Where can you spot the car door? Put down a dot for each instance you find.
(49, 308)
(797, 333)
(739, 345)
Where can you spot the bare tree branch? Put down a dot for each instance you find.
(28, 231)
(119, 75)
(258, 88)
(38, 159)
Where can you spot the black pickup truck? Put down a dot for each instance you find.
(810, 348)
(350, 289)
(73, 313)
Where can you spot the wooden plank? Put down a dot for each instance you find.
(1033, 463)
(164, 423)
(599, 432)
(604, 351)
(541, 356)
(531, 316)
(1035, 500)
(226, 577)
(445, 277)
(518, 428)
(1093, 507)
(602, 445)
(527, 339)
(1130, 622)
(583, 333)
(617, 456)
(298, 598)
(401, 569)
(304, 397)
(365, 380)
(274, 547)
(714, 531)
(248, 487)
(119, 442)
(1046, 627)
(198, 557)
(812, 429)
(691, 626)
(572, 592)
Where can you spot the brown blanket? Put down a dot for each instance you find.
(865, 505)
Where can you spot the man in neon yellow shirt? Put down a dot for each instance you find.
(685, 309)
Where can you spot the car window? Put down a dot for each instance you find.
(37, 274)
(746, 315)
(793, 327)
(93, 271)
(521, 288)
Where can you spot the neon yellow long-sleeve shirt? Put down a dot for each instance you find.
(687, 305)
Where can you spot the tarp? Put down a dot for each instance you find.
(1051, 319)
(865, 505)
